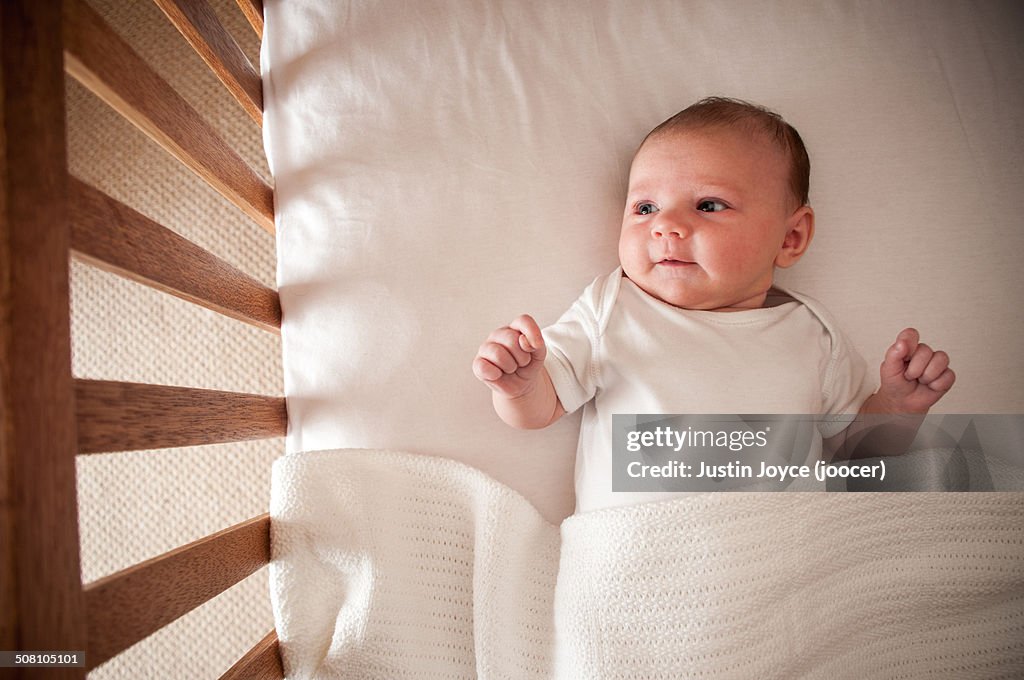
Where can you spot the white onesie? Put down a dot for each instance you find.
(620, 350)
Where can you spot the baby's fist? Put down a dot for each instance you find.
(512, 357)
(913, 376)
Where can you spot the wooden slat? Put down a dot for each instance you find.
(253, 11)
(118, 416)
(130, 605)
(108, 234)
(262, 662)
(211, 41)
(41, 603)
(98, 58)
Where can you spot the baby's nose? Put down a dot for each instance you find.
(669, 226)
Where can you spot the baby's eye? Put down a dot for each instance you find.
(645, 208)
(711, 206)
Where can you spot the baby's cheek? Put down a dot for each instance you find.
(749, 257)
(632, 255)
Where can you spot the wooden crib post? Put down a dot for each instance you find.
(41, 600)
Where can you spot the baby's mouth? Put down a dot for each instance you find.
(673, 262)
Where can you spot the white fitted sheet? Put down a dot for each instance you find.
(442, 166)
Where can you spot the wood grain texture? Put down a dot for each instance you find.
(41, 603)
(119, 416)
(108, 234)
(99, 59)
(200, 26)
(262, 662)
(130, 605)
(253, 11)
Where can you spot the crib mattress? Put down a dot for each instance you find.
(443, 166)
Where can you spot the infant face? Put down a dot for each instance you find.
(707, 213)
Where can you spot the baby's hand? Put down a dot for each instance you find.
(512, 357)
(914, 376)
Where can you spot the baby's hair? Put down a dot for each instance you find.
(753, 118)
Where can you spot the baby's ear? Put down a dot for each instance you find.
(799, 232)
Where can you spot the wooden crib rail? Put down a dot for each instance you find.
(98, 58)
(253, 11)
(47, 417)
(119, 416)
(41, 601)
(262, 662)
(107, 234)
(125, 607)
(211, 41)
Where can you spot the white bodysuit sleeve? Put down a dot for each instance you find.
(847, 384)
(573, 342)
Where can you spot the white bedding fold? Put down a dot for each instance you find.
(389, 564)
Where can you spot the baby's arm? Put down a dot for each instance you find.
(913, 378)
(511, 363)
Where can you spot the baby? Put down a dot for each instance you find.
(690, 322)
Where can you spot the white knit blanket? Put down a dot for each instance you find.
(394, 565)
